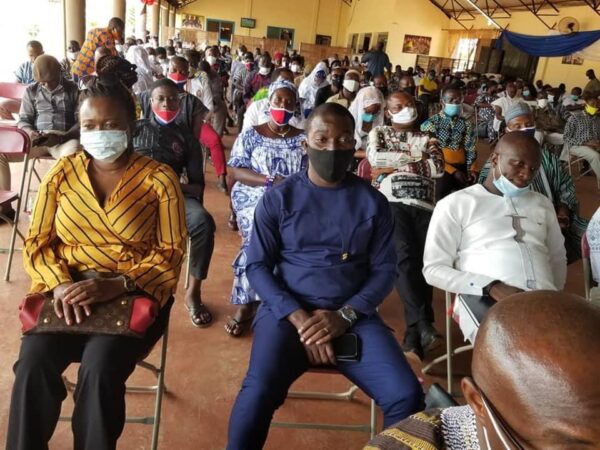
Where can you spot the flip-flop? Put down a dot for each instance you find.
(195, 312)
(241, 325)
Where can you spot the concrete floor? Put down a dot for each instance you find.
(205, 367)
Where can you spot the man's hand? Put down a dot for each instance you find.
(320, 355)
(500, 291)
(461, 178)
(322, 327)
(5, 114)
(563, 214)
(52, 139)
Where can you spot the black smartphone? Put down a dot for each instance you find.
(347, 347)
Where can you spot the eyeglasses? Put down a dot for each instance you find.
(506, 434)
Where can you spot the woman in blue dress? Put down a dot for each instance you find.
(261, 157)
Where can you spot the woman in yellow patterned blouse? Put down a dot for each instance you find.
(109, 210)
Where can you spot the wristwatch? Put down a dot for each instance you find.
(348, 314)
(128, 283)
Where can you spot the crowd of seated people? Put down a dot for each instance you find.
(126, 121)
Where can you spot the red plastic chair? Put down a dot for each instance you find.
(12, 90)
(364, 170)
(13, 141)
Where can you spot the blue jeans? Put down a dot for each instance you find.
(278, 358)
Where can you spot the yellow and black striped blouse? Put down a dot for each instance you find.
(140, 232)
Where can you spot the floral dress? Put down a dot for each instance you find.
(266, 156)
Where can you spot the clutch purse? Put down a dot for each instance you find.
(129, 315)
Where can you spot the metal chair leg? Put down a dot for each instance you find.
(188, 264)
(15, 228)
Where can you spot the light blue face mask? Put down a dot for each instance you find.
(507, 188)
(574, 97)
(526, 93)
(452, 110)
(367, 117)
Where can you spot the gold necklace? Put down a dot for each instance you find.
(284, 134)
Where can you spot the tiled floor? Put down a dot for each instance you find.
(205, 366)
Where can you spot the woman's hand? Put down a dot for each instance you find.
(98, 290)
(65, 310)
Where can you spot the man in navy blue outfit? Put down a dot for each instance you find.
(322, 259)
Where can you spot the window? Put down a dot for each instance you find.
(354, 42)
(383, 38)
(287, 34)
(323, 40)
(464, 54)
(366, 43)
(223, 27)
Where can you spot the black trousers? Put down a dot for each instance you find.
(410, 230)
(99, 414)
(201, 227)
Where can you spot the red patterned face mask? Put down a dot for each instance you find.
(165, 116)
(281, 116)
(178, 78)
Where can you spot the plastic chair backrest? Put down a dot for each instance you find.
(12, 90)
(364, 170)
(13, 140)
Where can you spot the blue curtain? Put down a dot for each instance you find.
(553, 45)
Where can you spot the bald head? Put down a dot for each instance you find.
(535, 358)
(518, 142)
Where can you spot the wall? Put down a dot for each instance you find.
(306, 17)
(397, 18)
(551, 70)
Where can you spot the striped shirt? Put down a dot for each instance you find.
(98, 37)
(140, 232)
(24, 73)
(43, 110)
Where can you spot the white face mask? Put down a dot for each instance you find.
(351, 85)
(264, 70)
(295, 68)
(542, 102)
(211, 60)
(72, 55)
(119, 48)
(405, 115)
(152, 58)
(551, 98)
(104, 145)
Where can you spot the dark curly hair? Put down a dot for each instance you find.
(113, 88)
(116, 67)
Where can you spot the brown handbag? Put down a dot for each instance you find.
(129, 315)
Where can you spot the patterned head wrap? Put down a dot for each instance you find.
(282, 84)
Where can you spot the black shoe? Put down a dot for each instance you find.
(412, 344)
(430, 338)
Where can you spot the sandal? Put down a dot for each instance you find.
(196, 313)
(232, 222)
(237, 328)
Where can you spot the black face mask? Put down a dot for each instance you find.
(331, 165)
(337, 82)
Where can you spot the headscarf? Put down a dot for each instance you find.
(366, 97)
(282, 84)
(138, 56)
(308, 89)
(46, 68)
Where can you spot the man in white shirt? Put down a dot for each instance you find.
(498, 238)
(503, 103)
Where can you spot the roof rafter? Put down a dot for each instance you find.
(456, 11)
(594, 4)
